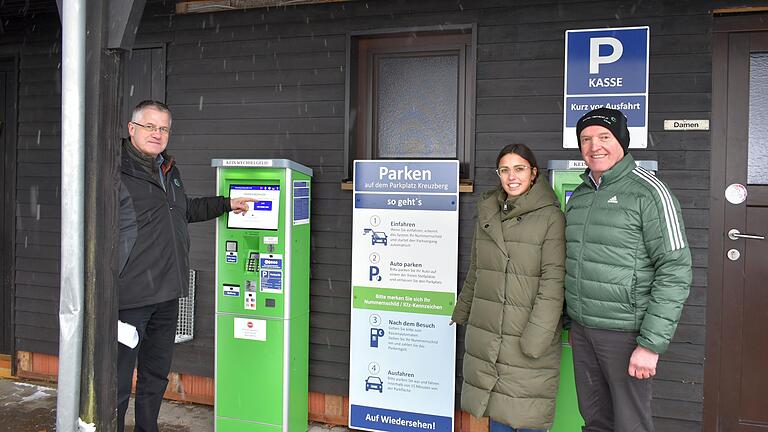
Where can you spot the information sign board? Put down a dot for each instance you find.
(404, 277)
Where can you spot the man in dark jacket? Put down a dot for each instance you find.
(154, 261)
(628, 272)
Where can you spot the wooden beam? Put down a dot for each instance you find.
(98, 389)
(738, 10)
(205, 6)
(124, 17)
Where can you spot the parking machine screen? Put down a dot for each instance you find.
(261, 215)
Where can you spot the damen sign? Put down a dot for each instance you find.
(686, 125)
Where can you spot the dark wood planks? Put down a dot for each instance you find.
(270, 83)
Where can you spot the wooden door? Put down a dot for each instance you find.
(736, 381)
(143, 78)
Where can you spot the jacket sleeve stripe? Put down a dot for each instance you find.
(673, 224)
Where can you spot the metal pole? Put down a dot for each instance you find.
(72, 213)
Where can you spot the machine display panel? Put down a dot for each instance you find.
(262, 215)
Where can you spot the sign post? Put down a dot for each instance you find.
(404, 276)
(607, 68)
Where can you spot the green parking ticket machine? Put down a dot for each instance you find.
(565, 176)
(262, 297)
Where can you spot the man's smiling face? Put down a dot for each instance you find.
(151, 143)
(599, 149)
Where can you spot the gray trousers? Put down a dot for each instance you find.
(609, 398)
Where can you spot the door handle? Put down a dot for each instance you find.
(734, 234)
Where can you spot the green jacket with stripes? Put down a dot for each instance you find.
(628, 265)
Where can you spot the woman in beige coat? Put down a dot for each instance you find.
(512, 299)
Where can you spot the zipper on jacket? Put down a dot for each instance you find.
(581, 250)
(173, 230)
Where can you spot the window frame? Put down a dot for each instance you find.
(362, 47)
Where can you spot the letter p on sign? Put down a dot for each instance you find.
(595, 59)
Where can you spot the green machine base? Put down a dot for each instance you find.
(567, 417)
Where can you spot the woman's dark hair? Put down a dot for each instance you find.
(524, 152)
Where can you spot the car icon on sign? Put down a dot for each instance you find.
(379, 237)
(376, 236)
(374, 383)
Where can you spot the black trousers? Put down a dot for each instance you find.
(609, 398)
(156, 325)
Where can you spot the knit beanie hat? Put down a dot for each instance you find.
(611, 119)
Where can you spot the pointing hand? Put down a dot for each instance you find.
(240, 205)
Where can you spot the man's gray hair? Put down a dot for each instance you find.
(150, 104)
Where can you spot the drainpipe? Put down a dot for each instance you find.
(72, 213)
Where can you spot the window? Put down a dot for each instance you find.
(411, 96)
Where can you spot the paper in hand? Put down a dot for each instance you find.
(127, 335)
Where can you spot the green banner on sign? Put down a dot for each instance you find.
(400, 300)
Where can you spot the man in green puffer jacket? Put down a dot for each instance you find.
(628, 272)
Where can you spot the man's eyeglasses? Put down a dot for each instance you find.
(152, 128)
(517, 169)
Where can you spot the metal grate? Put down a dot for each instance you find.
(185, 327)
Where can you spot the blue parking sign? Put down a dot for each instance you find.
(607, 68)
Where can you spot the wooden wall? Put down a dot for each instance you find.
(38, 173)
(270, 83)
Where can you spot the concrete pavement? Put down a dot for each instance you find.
(28, 407)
